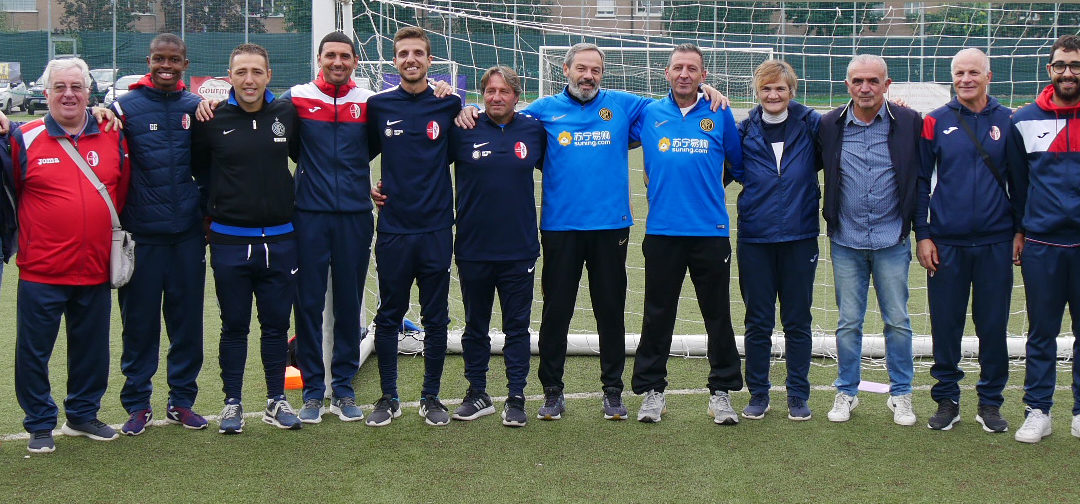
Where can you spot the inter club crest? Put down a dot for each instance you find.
(185, 121)
(605, 114)
(433, 130)
(707, 125)
(995, 132)
(520, 150)
(92, 158)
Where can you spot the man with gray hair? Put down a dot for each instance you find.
(64, 271)
(870, 153)
(966, 239)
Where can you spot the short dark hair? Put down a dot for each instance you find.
(250, 49)
(415, 32)
(688, 48)
(169, 38)
(336, 36)
(1067, 43)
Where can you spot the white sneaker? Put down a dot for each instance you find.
(842, 406)
(652, 407)
(901, 408)
(1036, 426)
(1076, 425)
(720, 408)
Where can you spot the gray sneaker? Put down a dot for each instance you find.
(94, 429)
(475, 405)
(433, 411)
(387, 408)
(652, 407)
(312, 411)
(614, 409)
(41, 442)
(554, 404)
(720, 408)
(346, 409)
(513, 414)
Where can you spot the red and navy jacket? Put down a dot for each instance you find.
(411, 132)
(332, 174)
(164, 202)
(1044, 170)
(65, 227)
(959, 201)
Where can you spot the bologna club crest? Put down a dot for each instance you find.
(995, 132)
(433, 130)
(520, 150)
(185, 121)
(92, 158)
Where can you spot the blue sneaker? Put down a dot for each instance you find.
(312, 411)
(797, 409)
(554, 404)
(279, 414)
(232, 417)
(758, 406)
(186, 417)
(346, 409)
(94, 429)
(41, 442)
(137, 422)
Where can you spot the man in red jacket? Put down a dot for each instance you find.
(64, 242)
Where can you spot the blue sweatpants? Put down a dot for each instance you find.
(85, 309)
(340, 243)
(985, 274)
(768, 271)
(401, 259)
(267, 271)
(514, 282)
(1051, 279)
(168, 281)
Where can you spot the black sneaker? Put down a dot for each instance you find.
(41, 442)
(947, 414)
(475, 405)
(94, 429)
(990, 419)
(614, 409)
(433, 411)
(554, 404)
(513, 414)
(387, 408)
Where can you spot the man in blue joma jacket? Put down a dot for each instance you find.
(163, 213)
(964, 227)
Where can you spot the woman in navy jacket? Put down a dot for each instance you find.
(777, 234)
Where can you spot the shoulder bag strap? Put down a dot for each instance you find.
(65, 142)
(982, 151)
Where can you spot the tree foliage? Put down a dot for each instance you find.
(297, 15)
(1034, 20)
(91, 15)
(835, 18)
(209, 16)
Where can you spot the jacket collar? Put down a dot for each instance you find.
(333, 90)
(146, 82)
(991, 104)
(1045, 101)
(566, 91)
(268, 96)
(55, 130)
(843, 113)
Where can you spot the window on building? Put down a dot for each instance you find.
(18, 5)
(605, 8)
(651, 8)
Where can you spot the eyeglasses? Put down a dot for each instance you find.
(1059, 67)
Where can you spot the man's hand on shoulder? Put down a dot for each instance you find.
(719, 101)
(107, 117)
(467, 117)
(205, 111)
(443, 89)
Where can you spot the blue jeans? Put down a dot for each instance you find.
(852, 269)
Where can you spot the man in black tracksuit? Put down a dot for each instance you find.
(252, 247)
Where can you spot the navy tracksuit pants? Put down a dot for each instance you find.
(340, 243)
(667, 258)
(267, 271)
(768, 271)
(86, 311)
(1051, 280)
(514, 282)
(168, 281)
(401, 259)
(985, 274)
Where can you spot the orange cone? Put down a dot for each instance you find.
(293, 381)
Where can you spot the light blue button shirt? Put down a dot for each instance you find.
(869, 200)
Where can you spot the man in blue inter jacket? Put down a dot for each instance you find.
(870, 152)
(686, 148)
(964, 227)
(163, 213)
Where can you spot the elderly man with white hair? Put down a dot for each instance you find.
(967, 239)
(64, 245)
(870, 153)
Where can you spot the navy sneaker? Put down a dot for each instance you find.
(346, 409)
(312, 411)
(280, 414)
(554, 404)
(41, 442)
(232, 417)
(946, 416)
(797, 409)
(387, 408)
(433, 411)
(94, 429)
(137, 422)
(186, 417)
(475, 405)
(614, 409)
(757, 407)
(513, 414)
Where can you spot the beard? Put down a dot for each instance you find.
(1067, 95)
(581, 94)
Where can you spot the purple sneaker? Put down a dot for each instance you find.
(137, 423)
(184, 416)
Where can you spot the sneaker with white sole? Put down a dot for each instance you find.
(433, 411)
(1036, 426)
(797, 409)
(475, 405)
(312, 411)
(613, 406)
(990, 419)
(280, 414)
(137, 422)
(842, 406)
(41, 442)
(346, 409)
(387, 408)
(947, 415)
(757, 407)
(231, 420)
(179, 415)
(653, 406)
(513, 414)
(94, 429)
(554, 404)
(900, 405)
(720, 408)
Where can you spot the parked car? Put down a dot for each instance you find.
(105, 77)
(120, 88)
(13, 94)
(36, 99)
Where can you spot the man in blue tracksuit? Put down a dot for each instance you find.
(496, 245)
(410, 126)
(686, 147)
(964, 227)
(163, 213)
(1044, 158)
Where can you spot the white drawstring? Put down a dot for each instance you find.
(267, 249)
(249, 253)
